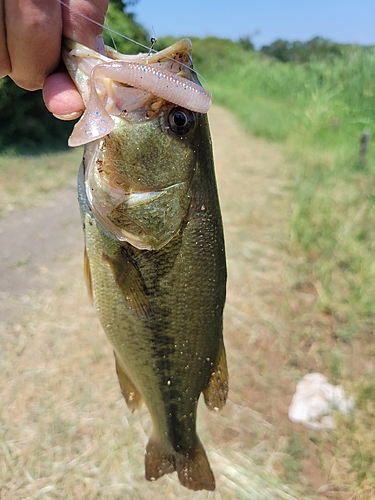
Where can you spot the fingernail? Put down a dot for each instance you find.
(70, 116)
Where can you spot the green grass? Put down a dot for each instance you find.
(319, 111)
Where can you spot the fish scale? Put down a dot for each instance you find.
(159, 297)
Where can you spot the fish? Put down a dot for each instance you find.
(154, 258)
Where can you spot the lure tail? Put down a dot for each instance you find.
(193, 469)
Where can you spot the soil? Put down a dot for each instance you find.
(40, 263)
(32, 242)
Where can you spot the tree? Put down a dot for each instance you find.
(302, 52)
(123, 22)
(246, 43)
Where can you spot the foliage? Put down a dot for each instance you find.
(301, 52)
(123, 4)
(27, 125)
(125, 24)
(246, 43)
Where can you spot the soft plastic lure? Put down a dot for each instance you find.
(111, 85)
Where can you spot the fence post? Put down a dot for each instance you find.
(365, 140)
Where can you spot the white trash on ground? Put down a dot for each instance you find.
(314, 399)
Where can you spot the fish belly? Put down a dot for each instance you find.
(162, 312)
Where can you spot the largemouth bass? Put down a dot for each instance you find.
(154, 257)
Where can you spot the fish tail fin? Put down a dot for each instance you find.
(194, 471)
(193, 468)
(158, 461)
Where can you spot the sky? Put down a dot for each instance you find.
(343, 21)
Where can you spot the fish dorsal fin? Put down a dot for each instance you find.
(87, 275)
(131, 394)
(216, 392)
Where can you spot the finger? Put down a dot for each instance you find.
(59, 92)
(4, 56)
(83, 20)
(61, 97)
(33, 31)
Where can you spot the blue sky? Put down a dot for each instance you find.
(344, 21)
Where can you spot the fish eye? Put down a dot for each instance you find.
(181, 120)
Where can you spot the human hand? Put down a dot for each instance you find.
(30, 46)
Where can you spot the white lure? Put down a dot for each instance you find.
(119, 84)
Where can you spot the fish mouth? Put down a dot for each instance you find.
(180, 50)
(177, 58)
(75, 54)
(113, 83)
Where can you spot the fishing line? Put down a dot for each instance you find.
(110, 32)
(104, 27)
(153, 40)
(150, 50)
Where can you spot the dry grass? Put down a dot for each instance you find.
(26, 181)
(65, 431)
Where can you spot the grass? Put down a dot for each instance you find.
(65, 431)
(314, 314)
(318, 112)
(27, 180)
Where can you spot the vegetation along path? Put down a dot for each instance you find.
(65, 431)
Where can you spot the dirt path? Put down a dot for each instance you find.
(32, 243)
(65, 431)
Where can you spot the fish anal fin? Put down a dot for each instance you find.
(193, 469)
(129, 391)
(87, 275)
(216, 392)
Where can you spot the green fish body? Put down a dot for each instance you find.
(155, 267)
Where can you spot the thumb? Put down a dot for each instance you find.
(83, 20)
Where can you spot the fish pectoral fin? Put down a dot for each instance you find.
(193, 469)
(87, 275)
(130, 281)
(129, 391)
(216, 392)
